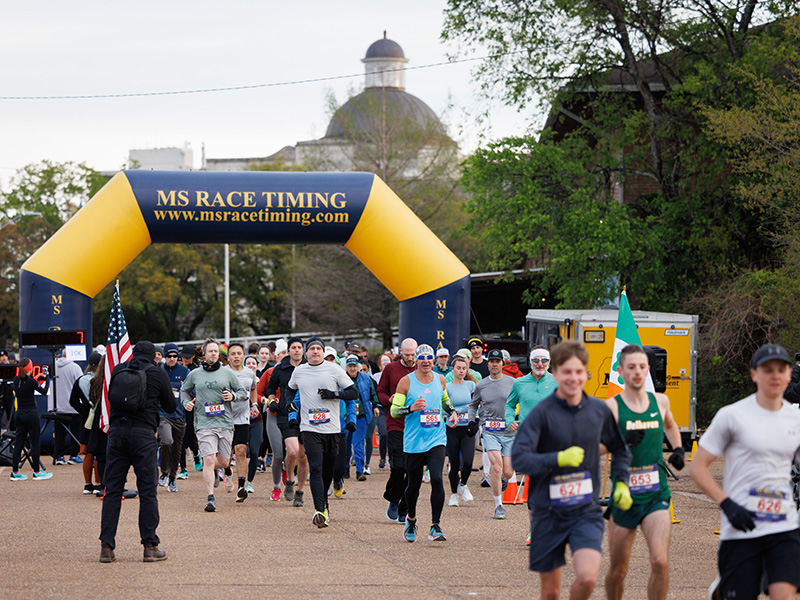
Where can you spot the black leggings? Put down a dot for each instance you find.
(415, 465)
(321, 451)
(460, 452)
(27, 426)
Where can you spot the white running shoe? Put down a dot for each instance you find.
(426, 476)
(465, 493)
(453, 500)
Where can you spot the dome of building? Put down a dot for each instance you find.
(363, 114)
(385, 48)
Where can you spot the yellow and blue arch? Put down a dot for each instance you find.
(137, 208)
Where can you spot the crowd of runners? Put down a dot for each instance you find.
(305, 414)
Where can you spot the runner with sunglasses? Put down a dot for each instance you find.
(421, 398)
(528, 391)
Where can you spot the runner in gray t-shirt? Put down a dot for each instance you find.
(318, 384)
(241, 416)
(491, 394)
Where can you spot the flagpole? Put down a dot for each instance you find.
(227, 295)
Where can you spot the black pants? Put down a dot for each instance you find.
(398, 480)
(460, 453)
(340, 466)
(415, 465)
(27, 426)
(170, 441)
(321, 451)
(130, 446)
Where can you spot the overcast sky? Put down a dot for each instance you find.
(57, 48)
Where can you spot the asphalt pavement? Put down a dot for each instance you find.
(264, 549)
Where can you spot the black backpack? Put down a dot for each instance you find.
(127, 390)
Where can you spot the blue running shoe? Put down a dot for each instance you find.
(401, 519)
(75, 460)
(18, 477)
(61, 460)
(410, 531)
(391, 512)
(436, 534)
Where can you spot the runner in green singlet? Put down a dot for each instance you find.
(644, 419)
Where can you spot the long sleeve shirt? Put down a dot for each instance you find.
(553, 426)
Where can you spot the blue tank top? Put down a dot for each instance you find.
(424, 429)
(460, 397)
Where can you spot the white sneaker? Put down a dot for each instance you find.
(163, 481)
(453, 500)
(366, 470)
(465, 493)
(713, 590)
(426, 476)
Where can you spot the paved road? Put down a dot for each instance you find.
(265, 549)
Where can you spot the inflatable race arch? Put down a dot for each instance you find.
(137, 208)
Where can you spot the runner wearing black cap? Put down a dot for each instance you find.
(319, 387)
(758, 437)
(477, 363)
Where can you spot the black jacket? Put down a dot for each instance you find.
(159, 390)
(279, 380)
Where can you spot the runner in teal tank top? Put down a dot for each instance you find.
(421, 398)
(644, 420)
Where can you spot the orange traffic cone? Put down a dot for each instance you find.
(515, 493)
(375, 439)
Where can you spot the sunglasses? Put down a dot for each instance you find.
(172, 356)
(425, 357)
(536, 361)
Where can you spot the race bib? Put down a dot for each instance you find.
(495, 425)
(571, 490)
(215, 410)
(463, 419)
(318, 416)
(430, 418)
(768, 505)
(177, 394)
(644, 479)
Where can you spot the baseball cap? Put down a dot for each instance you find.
(506, 355)
(354, 348)
(330, 351)
(3, 353)
(443, 352)
(465, 353)
(171, 348)
(95, 358)
(474, 341)
(769, 352)
(495, 354)
(188, 351)
(352, 359)
(423, 350)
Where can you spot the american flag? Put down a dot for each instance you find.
(118, 350)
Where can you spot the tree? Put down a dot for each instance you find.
(549, 47)
(41, 197)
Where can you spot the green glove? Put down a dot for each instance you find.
(622, 496)
(571, 457)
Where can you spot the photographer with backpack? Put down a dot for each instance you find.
(136, 389)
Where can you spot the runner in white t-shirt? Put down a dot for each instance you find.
(759, 437)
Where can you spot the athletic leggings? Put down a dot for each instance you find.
(27, 426)
(415, 465)
(460, 452)
(253, 445)
(370, 431)
(276, 441)
(321, 451)
(383, 438)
